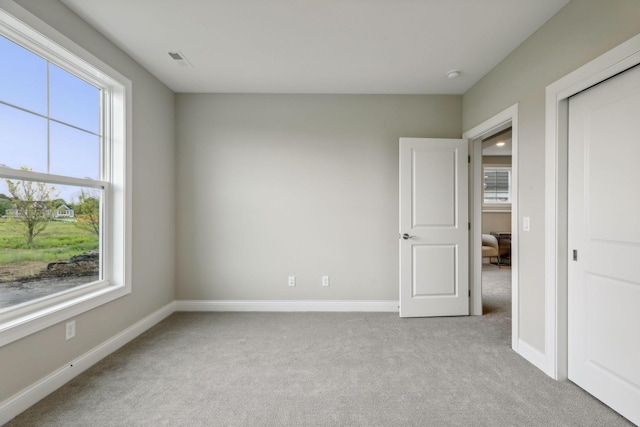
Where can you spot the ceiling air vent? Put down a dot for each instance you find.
(179, 58)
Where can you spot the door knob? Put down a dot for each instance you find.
(405, 236)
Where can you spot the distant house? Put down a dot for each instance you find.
(61, 212)
(12, 213)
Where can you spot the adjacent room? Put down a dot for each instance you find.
(496, 220)
(319, 213)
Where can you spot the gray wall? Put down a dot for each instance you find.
(581, 31)
(496, 221)
(30, 359)
(272, 185)
(496, 160)
(304, 185)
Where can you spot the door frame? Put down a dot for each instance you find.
(503, 120)
(615, 61)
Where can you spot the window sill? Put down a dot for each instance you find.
(15, 325)
(497, 210)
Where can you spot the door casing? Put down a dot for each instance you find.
(615, 61)
(497, 123)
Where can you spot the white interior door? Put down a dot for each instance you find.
(434, 235)
(604, 232)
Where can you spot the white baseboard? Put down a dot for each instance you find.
(532, 355)
(37, 391)
(288, 306)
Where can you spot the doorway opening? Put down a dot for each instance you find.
(496, 202)
(494, 130)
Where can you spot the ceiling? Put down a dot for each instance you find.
(318, 46)
(490, 147)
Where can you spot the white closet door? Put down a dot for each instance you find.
(604, 242)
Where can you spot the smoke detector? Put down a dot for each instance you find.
(453, 74)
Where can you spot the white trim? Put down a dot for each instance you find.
(21, 325)
(603, 67)
(35, 392)
(288, 306)
(501, 121)
(9, 173)
(532, 355)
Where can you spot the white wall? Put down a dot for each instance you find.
(304, 185)
(32, 358)
(581, 31)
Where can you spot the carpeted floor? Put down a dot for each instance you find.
(323, 369)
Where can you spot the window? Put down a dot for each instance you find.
(497, 187)
(64, 211)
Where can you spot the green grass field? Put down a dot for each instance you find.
(58, 242)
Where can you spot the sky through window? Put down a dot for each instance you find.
(49, 118)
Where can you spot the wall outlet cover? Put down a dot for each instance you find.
(70, 330)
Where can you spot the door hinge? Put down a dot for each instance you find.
(469, 293)
(469, 226)
(575, 254)
(468, 159)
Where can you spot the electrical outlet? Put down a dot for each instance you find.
(70, 330)
(292, 280)
(325, 280)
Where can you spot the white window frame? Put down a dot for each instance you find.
(24, 319)
(500, 207)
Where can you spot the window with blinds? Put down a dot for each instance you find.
(497, 185)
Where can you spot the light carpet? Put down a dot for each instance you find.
(323, 369)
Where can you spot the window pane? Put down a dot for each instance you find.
(23, 139)
(73, 100)
(65, 251)
(497, 182)
(23, 77)
(74, 152)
